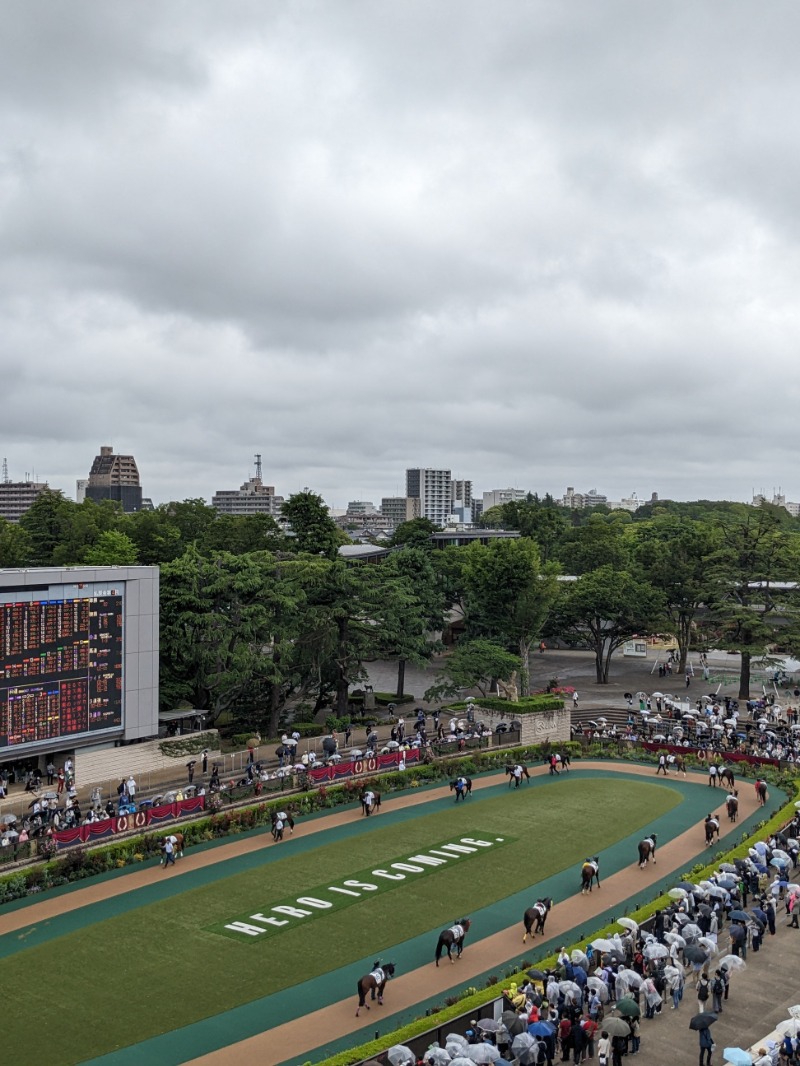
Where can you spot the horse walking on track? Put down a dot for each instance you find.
(535, 917)
(647, 850)
(711, 825)
(177, 845)
(462, 786)
(761, 792)
(590, 872)
(374, 982)
(732, 805)
(370, 802)
(726, 776)
(677, 762)
(280, 819)
(516, 774)
(453, 938)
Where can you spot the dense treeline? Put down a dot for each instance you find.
(253, 618)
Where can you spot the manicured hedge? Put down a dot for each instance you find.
(526, 705)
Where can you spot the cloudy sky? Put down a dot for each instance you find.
(539, 243)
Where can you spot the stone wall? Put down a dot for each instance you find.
(545, 725)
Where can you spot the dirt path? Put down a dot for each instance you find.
(297, 1038)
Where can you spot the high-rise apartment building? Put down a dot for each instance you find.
(115, 477)
(461, 493)
(432, 489)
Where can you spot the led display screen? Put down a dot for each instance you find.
(61, 652)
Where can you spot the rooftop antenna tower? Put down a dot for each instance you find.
(6, 478)
(258, 467)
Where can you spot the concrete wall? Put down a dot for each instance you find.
(547, 725)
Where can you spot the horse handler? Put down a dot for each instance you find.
(169, 853)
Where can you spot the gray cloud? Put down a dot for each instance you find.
(541, 244)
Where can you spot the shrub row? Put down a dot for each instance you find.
(526, 705)
(192, 744)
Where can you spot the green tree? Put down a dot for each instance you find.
(473, 664)
(156, 534)
(416, 612)
(542, 522)
(598, 543)
(674, 553)
(240, 534)
(416, 533)
(46, 525)
(15, 545)
(111, 548)
(755, 607)
(508, 594)
(315, 532)
(605, 607)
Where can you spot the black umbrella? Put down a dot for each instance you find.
(694, 953)
(329, 745)
(628, 695)
(281, 750)
(703, 1021)
(536, 975)
(687, 886)
(739, 916)
(513, 1023)
(737, 932)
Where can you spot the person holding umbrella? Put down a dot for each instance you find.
(706, 1046)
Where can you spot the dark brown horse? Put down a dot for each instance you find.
(647, 850)
(462, 786)
(374, 982)
(535, 917)
(453, 937)
(370, 802)
(513, 777)
(711, 826)
(761, 792)
(732, 805)
(726, 776)
(280, 820)
(590, 872)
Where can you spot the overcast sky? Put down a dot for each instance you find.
(539, 243)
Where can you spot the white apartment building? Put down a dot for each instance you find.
(497, 497)
(433, 490)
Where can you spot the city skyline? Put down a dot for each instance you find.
(520, 241)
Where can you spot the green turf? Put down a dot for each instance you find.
(164, 968)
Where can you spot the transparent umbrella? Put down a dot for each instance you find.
(437, 1056)
(522, 1043)
(488, 1025)
(675, 938)
(691, 931)
(628, 923)
(732, 962)
(677, 893)
(579, 958)
(400, 1055)
(596, 984)
(655, 951)
(482, 1053)
(602, 945)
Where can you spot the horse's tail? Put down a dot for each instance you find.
(439, 947)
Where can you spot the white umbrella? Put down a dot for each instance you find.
(522, 1042)
(794, 1012)
(655, 951)
(457, 1039)
(603, 945)
(598, 985)
(675, 938)
(671, 972)
(733, 962)
(791, 1026)
(779, 853)
(462, 1060)
(569, 988)
(708, 944)
(482, 1053)
(677, 893)
(656, 695)
(437, 1056)
(631, 977)
(579, 958)
(628, 923)
(400, 1055)
(691, 931)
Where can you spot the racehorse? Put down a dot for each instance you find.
(590, 871)
(279, 820)
(513, 777)
(370, 802)
(711, 825)
(374, 982)
(177, 844)
(536, 916)
(462, 786)
(732, 805)
(453, 938)
(677, 762)
(761, 792)
(726, 775)
(647, 850)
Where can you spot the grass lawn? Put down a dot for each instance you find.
(153, 969)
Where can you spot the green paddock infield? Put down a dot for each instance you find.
(147, 976)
